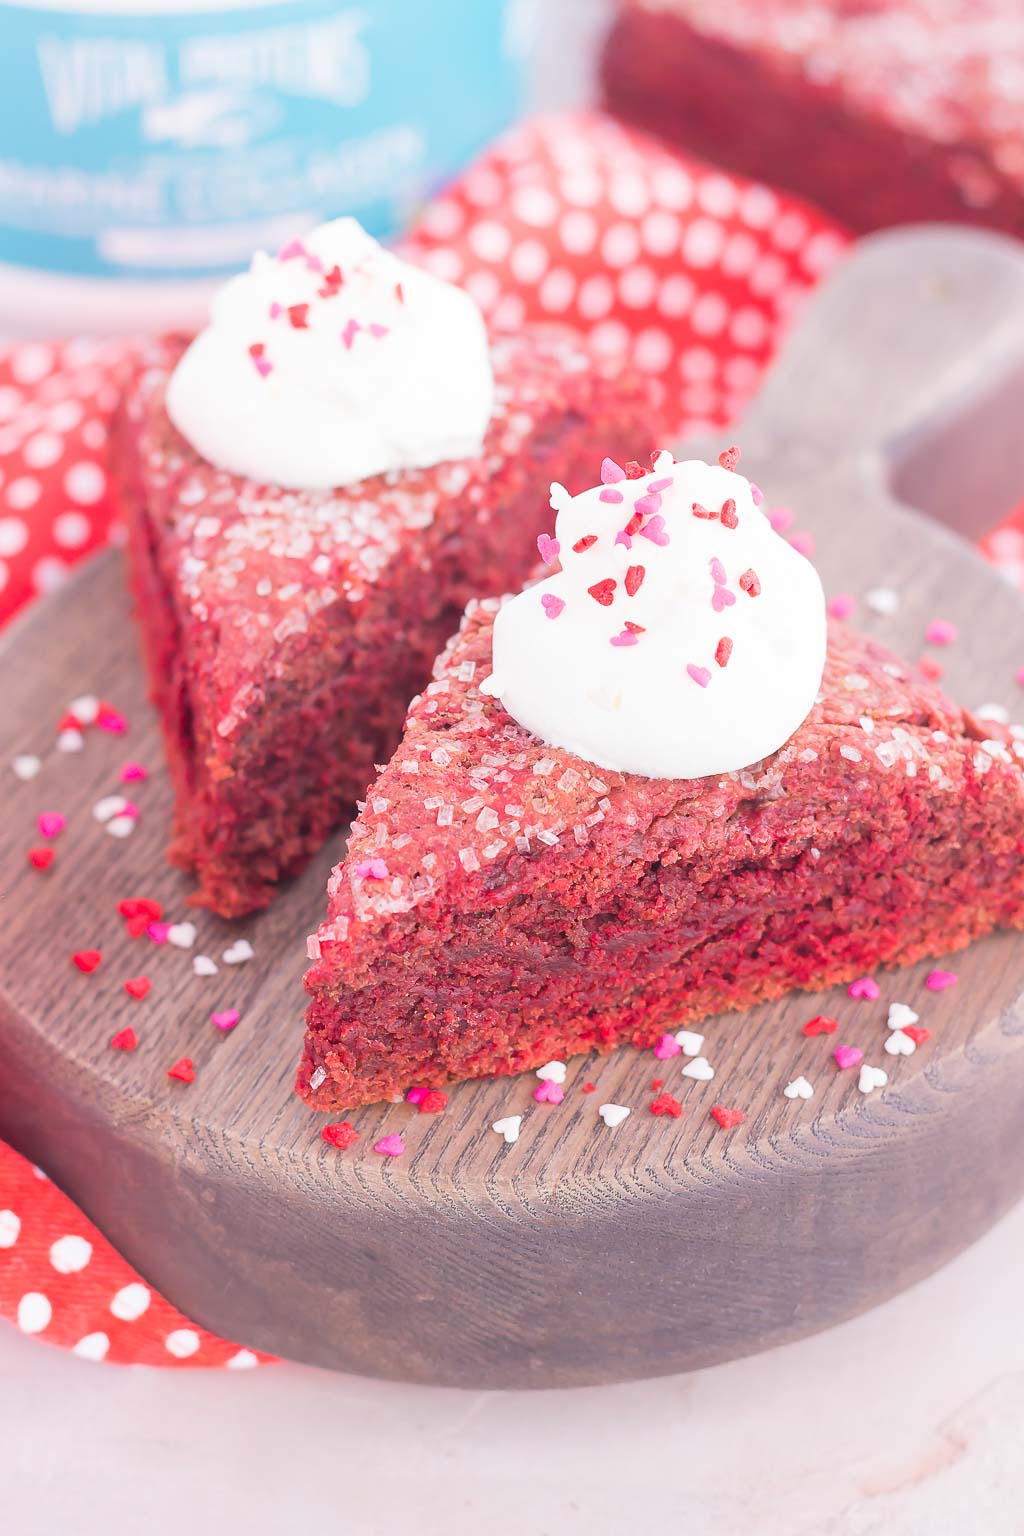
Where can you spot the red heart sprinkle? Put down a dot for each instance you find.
(589, 1088)
(138, 986)
(603, 591)
(634, 471)
(723, 650)
(821, 1025)
(917, 1033)
(581, 544)
(728, 514)
(665, 1104)
(70, 723)
(634, 579)
(727, 1118)
(433, 1102)
(656, 1083)
(41, 858)
(87, 959)
(729, 457)
(183, 1070)
(750, 584)
(297, 316)
(341, 1135)
(141, 906)
(124, 1040)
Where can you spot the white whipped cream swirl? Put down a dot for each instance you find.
(681, 637)
(332, 361)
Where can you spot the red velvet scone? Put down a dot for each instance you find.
(883, 113)
(505, 902)
(285, 631)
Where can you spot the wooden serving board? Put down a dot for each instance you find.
(578, 1255)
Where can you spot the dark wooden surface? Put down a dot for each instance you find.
(577, 1255)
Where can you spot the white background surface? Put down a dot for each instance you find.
(908, 1421)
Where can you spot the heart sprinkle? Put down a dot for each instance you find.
(390, 1146)
(41, 858)
(181, 935)
(202, 965)
(183, 1070)
(938, 981)
(341, 1135)
(125, 1040)
(866, 988)
(51, 824)
(689, 1043)
(899, 1043)
(549, 1093)
(225, 1020)
(138, 986)
(799, 1088)
(727, 1118)
(848, 1056)
(871, 1078)
(667, 1046)
(551, 604)
(821, 1025)
(700, 1069)
(900, 1016)
(552, 1072)
(547, 548)
(509, 1128)
(434, 1102)
(665, 1104)
(239, 952)
(918, 1035)
(613, 1114)
(87, 959)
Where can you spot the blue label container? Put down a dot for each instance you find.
(159, 141)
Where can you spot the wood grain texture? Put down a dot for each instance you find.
(577, 1255)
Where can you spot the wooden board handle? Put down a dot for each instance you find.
(929, 377)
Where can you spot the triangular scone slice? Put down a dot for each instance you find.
(504, 903)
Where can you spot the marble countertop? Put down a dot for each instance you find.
(907, 1421)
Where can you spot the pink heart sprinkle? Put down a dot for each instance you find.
(275, 310)
(654, 486)
(655, 530)
(129, 809)
(865, 987)
(416, 1095)
(372, 869)
(940, 632)
(51, 824)
(313, 262)
(390, 1146)
(378, 330)
(721, 598)
(226, 1020)
(627, 637)
(158, 932)
(781, 518)
(291, 250)
(756, 493)
(718, 575)
(111, 720)
(133, 772)
(700, 675)
(610, 472)
(667, 1046)
(842, 606)
(549, 1093)
(263, 366)
(647, 505)
(547, 548)
(938, 981)
(551, 604)
(847, 1056)
(351, 331)
(622, 537)
(610, 494)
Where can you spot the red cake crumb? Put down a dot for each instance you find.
(883, 113)
(285, 631)
(341, 1135)
(612, 907)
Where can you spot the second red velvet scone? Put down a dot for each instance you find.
(285, 629)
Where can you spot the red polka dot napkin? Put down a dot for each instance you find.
(692, 273)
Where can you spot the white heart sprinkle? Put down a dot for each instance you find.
(552, 1072)
(70, 741)
(509, 1127)
(131, 1301)
(109, 807)
(882, 600)
(202, 965)
(871, 1078)
(799, 1088)
(93, 1347)
(26, 767)
(120, 826)
(689, 1042)
(700, 1068)
(900, 1016)
(899, 1044)
(240, 951)
(612, 1114)
(10, 1226)
(182, 935)
(85, 708)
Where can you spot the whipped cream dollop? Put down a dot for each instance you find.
(681, 637)
(332, 361)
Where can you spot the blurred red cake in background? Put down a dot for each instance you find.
(882, 111)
